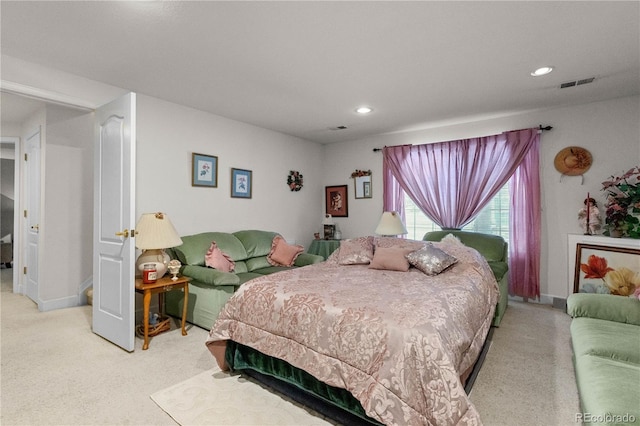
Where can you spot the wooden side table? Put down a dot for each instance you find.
(160, 287)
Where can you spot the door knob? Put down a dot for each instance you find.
(124, 233)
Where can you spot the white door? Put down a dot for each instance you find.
(32, 213)
(114, 210)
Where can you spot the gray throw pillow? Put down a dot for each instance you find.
(431, 260)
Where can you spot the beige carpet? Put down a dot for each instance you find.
(527, 379)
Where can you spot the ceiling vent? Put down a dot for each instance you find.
(577, 82)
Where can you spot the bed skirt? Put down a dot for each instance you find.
(335, 403)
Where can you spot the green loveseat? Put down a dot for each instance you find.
(605, 334)
(210, 288)
(494, 248)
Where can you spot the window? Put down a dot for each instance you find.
(493, 219)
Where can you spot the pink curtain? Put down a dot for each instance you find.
(525, 226)
(452, 181)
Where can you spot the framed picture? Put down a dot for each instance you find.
(204, 170)
(336, 201)
(241, 184)
(329, 231)
(608, 270)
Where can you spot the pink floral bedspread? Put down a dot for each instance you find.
(398, 341)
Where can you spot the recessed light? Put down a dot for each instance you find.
(542, 71)
(364, 110)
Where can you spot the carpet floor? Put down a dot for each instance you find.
(55, 371)
(527, 379)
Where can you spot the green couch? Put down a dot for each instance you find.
(494, 248)
(210, 289)
(605, 334)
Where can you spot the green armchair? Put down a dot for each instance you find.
(495, 249)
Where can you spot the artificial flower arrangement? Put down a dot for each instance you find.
(622, 207)
(360, 173)
(294, 180)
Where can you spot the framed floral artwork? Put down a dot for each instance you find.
(241, 183)
(336, 201)
(204, 170)
(606, 270)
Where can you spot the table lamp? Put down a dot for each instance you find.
(154, 233)
(390, 225)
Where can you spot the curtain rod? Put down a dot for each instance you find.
(540, 127)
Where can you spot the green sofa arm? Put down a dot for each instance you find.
(210, 276)
(305, 259)
(604, 306)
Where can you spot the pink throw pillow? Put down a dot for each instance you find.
(283, 253)
(217, 259)
(390, 258)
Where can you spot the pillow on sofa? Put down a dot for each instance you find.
(356, 251)
(283, 253)
(217, 259)
(391, 259)
(431, 260)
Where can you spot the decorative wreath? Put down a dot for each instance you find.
(294, 180)
(359, 173)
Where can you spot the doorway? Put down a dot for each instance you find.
(8, 190)
(63, 254)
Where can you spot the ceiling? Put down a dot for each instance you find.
(302, 67)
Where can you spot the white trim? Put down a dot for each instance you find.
(45, 95)
(64, 302)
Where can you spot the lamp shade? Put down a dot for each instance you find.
(390, 224)
(155, 231)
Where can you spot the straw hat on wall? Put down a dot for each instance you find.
(573, 161)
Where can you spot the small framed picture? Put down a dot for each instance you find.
(204, 170)
(336, 201)
(241, 183)
(329, 232)
(608, 270)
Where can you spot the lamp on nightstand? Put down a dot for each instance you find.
(154, 233)
(390, 225)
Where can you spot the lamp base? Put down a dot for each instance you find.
(157, 257)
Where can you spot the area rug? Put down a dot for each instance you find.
(218, 398)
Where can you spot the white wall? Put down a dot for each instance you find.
(168, 134)
(67, 215)
(610, 130)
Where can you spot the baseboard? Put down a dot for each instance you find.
(545, 299)
(64, 302)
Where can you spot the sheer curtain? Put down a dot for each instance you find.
(452, 181)
(525, 221)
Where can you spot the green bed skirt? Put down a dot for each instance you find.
(335, 403)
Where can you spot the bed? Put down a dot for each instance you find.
(389, 345)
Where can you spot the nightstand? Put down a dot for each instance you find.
(160, 287)
(323, 248)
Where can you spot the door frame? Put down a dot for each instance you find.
(17, 200)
